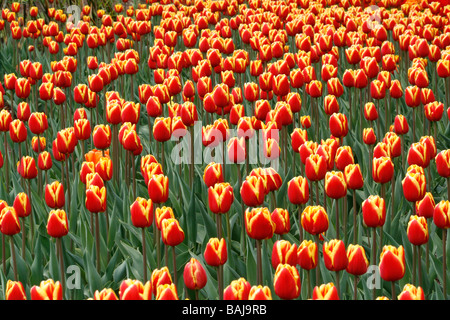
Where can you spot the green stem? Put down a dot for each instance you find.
(144, 255)
(13, 256)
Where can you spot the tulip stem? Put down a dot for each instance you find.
(133, 166)
(13, 256)
(259, 263)
(24, 237)
(337, 219)
(374, 258)
(444, 262)
(414, 266)
(316, 237)
(144, 255)
(6, 164)
(61, 263)
(191, 182)
(354, 216)
(300, 229)
(394, 297)
(338, 284)
(174, 257)
(355, 288)
(3, 254)
(243, 246)
(97, 241)
(419, 264)
(31, 213)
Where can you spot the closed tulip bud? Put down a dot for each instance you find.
(414, 186)
(442, 160)
(23, 111)
(237, 290)
(47, 290)
(171, 232)
(425, 206)
(400, 124)
(283, 252)
(315, 167)
(353, 176)
(220, 197)
(82, 129)
(412, 96)
(314, 88)
(357, 260)
(236, 150)
(162, 213)
(281, 219)
(441, 214)
(130, 112)
(392, 263)
(9, 221)
(221, 95)
(66, 140)
(37, 123)
(335, 184)
(325, 292)
(17, 131)
(382, 169)
(105, 294)
(27, 167)
(15, 291)
(57, 223)
(260, 293)
(95, 199)
(370, 111)
(287, 282)
(434, 111)
(142, 213)
(344, 157)
(374, 211)
(54, 195)
(338, 125)
(44, 161)
(213, 174)
(335, 255)
(22, 205)
(307, 255)
(5, 120)
(410, 292)
(417, 230)
(135, 290)
(314, 220)
(101, 136)
(162, 129)
(188, 113)
(369, 137)
(216, 252)
(130, 139)
(158, 188)
(418, 154)
(259, 224)
(253, 191)
(298, 190)
(22, 88)
(194, 275)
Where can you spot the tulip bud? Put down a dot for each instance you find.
(325, 292)
(216, 252)
(135, 290)
(194, 275)
(259, 224)
(335, 184)
(54, 195)
(414, 186)
(441, 214)
(95, 199)
(286, 282)
(410, 292)
(382, 169)
(374, 211)
(298, 190)
(314, 220)
(315, 167)
(142, 213)
(392, 263)
(357, 260)
(15, 291)
(283, 252)
(417, 230)
(47, 290)
(237, 290)
(260, 293)
(220, 197)
(57, 223)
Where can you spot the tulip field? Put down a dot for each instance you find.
(224, 150)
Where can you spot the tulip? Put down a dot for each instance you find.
(252, 191)
(287, 282)
(57, 223)
(392, 264)
(194, 275)
(54, 195)
(158, 188)
(357, 261)
(283, 252)
(213, 174)
(15, 291)
(325, 292)
(105, 294)
(382, 169)
(414, 186)
(135, 290)
(101, 136)
(220, 197)
(260, 292)
(410, 292)
(237, 290)
(315, 167)
(47, 290)
(160, 277)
